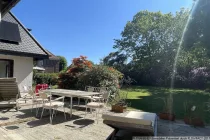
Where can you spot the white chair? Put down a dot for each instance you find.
(36, 100)
(99, 104)
(52, 105)
(88, 89)
(30, 96)
(93, 98)
(26, 95)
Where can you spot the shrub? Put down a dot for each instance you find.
(100, 76)
(69, 79)
(199, 77)
(47, 78)
(83, 73)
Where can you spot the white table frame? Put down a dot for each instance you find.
(71, 94)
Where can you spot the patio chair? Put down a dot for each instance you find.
(143, 123)
(98, 104)
(52, 105)
(88, 89)
(30, 96)
(26, 96)
(9, 91)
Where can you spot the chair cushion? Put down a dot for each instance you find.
(95, 105)
(94, 97)
(133, 117)
(86, 97)
(97, 97)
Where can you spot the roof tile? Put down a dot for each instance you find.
(28, 43)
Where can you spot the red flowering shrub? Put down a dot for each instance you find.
(69, 79)
(82, 73)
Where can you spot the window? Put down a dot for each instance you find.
(40, 63)
(6, 68)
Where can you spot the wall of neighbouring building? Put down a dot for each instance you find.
(50, 66)
(22, 70)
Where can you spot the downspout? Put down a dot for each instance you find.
(0, 10)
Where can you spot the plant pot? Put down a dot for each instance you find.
(167, 116)
(194, 121)
(118, 108)
(187, 120)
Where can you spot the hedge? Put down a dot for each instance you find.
(45, 78)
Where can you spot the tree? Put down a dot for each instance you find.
(115, 59)
(149, 42)
(198, 30)
(63, 63)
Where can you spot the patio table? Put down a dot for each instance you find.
(71, 94)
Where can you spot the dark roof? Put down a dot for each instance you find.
(52, 56)
(6, 5)
(28, 45)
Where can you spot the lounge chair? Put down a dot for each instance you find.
(142, 123)
(9, 91)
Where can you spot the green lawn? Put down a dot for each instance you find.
(144, 98)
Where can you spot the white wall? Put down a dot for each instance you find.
(23, 69)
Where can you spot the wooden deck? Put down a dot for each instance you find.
(23, 125)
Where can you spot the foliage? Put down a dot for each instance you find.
(148, 46)
(83, 73)
(45, 78)
(100, 76)
(188, 109)
(168, 104)
(200, 77)
(62, 63)
(120, 99)
(207, 105)
(193, 110)
(198, 29)
(69, 79)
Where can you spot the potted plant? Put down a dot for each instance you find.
(193, 114)
(118, 102)
(167, 114)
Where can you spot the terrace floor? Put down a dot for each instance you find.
(23, 125)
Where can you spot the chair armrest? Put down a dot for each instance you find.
(49, 96)
(59, 98)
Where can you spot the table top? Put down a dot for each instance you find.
(71, 93)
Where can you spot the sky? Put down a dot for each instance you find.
(71, 28)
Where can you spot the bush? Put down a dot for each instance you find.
(199, 77)
(83, 73)
(100, 76)
(45, 78)
(67, 81)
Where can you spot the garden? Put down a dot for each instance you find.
(166, 58)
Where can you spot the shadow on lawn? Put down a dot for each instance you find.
(151, 104)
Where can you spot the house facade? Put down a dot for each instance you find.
(18, 48)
